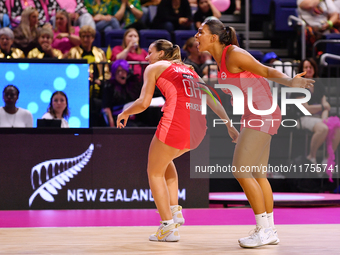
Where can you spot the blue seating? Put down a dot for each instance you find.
(284, 8)
(148, 36)
(333, 48)
(261, 7)
(184, 54)
(256, 54)
(97, 40)
(181, 36)
(114, 37)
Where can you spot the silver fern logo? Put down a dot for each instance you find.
(63, 170)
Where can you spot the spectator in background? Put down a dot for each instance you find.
(337, 4)
(194, 56)
(98, 73)
(128, 13)
(92, 54)
(319, 108)
(198, 60)
(25, 35)
(65, 36)
(122, 89)
(193, 3)
(208, 60)
(4, 18)
(147, 3)
(130, 50)
(77, 12)
(45, 8)
(6, 41)
(103, 15)
(45, 49)
(321, 17)
(205, 9)
(237, 7)
(10, 115)
(58, 108)
(284, 67)
(173, 15)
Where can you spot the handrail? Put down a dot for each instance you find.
(328, 55)
(247, 24)
(303, 37)
(323, 41)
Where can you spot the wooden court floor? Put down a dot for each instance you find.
(295, 239)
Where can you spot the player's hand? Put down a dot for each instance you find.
(233, 133)
(122, 117)
(299, 82)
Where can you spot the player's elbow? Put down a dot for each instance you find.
(145, 104)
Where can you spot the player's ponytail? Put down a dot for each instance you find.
(172, 52)
(226, 35)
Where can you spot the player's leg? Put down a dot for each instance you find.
(261, 178)
(160, 157)
(171, 178)
(248, 152)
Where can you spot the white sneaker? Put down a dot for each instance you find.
(260, 236)
(177, 215)
(167, 233)
(276, 236)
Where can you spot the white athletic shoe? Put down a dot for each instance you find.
(177, 215)
(260, 236)
(167, 233)
(276, 236)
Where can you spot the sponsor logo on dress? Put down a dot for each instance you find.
(182, 70)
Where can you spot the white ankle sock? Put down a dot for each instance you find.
(167, 222)
(261, 220)
(270, 217)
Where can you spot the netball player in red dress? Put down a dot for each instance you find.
(239, 68)
(181, 128)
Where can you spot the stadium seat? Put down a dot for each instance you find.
(333, 48)
(181, 36)
(114, 37)
(261, 7)
(284, 8)
(148, 36)
(97, 40)
(256, 54)
(184, 54)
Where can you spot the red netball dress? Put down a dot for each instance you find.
(262, 98)
(182, 125)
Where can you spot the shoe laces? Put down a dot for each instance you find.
(254, 232)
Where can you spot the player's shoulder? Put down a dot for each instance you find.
(158, 67)
(235, 50)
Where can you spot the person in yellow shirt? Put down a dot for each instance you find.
(44, 49)
(99, 69)
(6, 42)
